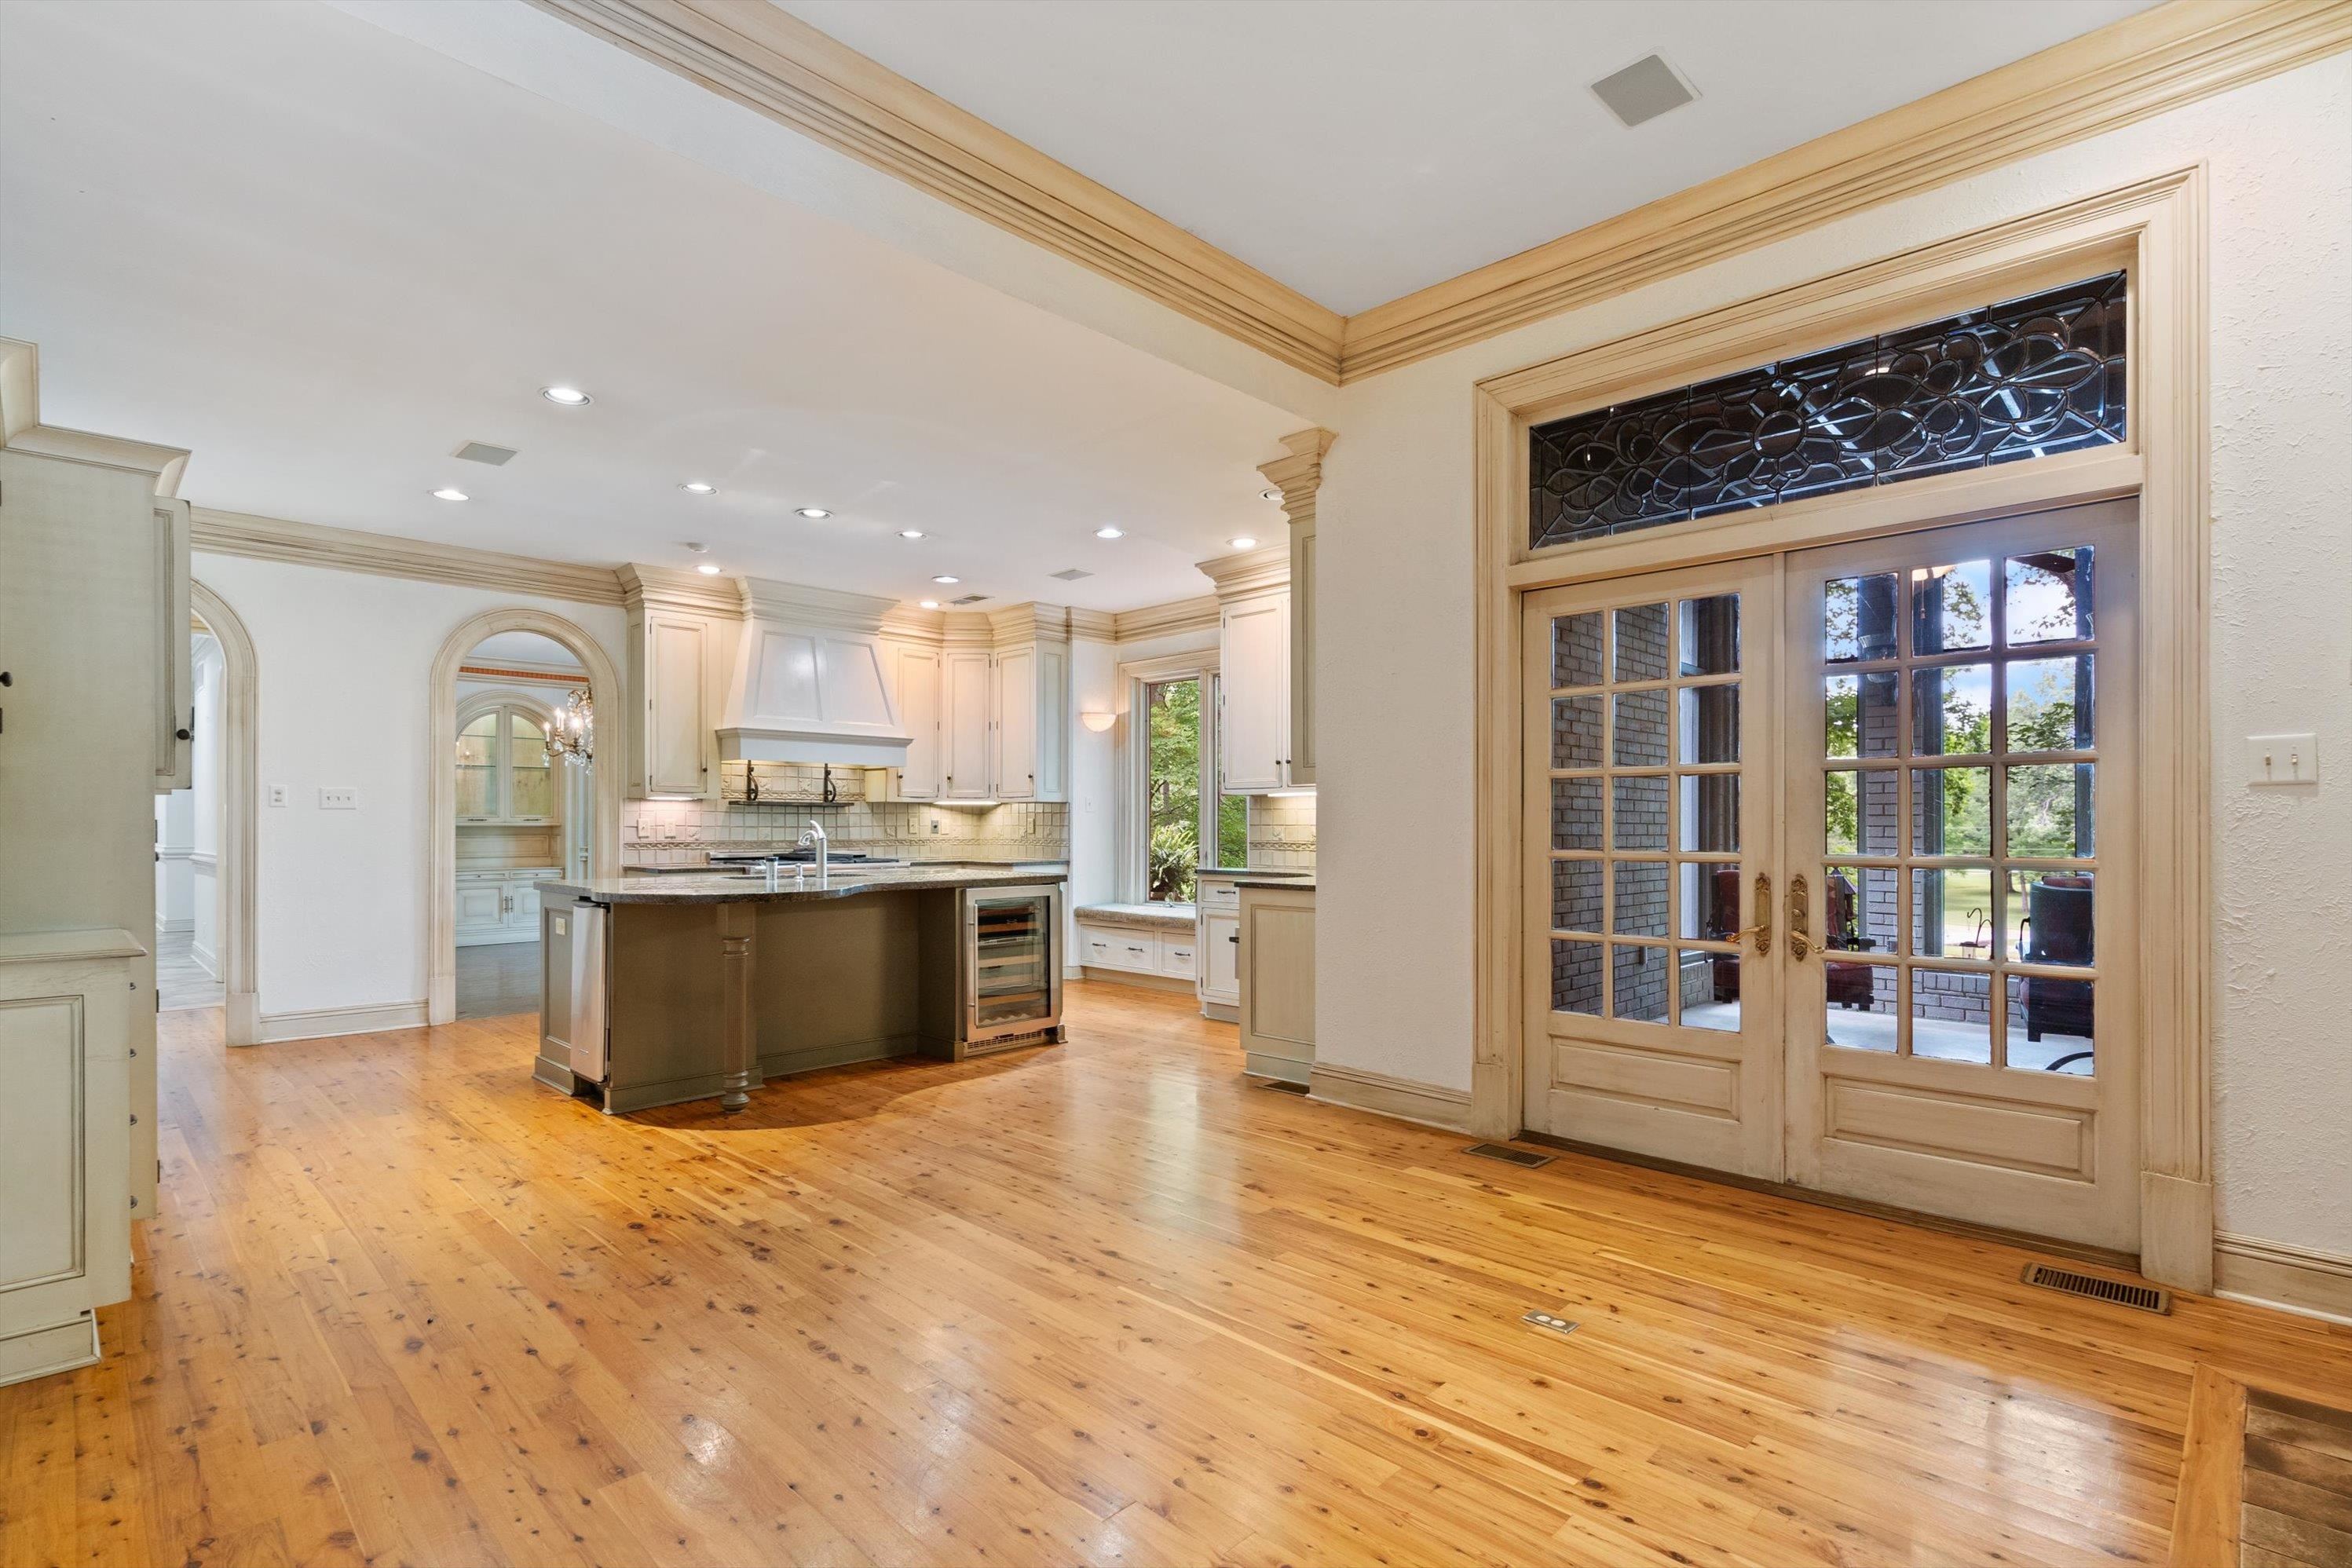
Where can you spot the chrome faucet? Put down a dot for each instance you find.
(814, 834)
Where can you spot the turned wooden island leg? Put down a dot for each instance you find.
(739, 1042)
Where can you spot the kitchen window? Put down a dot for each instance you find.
(1185, 821)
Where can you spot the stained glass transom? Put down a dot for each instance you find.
(2026, 379)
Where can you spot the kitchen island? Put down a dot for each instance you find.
(659, 989)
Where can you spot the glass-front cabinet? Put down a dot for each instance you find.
(1012, 975)
(504, 774)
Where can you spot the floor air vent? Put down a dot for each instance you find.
(1509, 1155)
(1283, 1086)
(2144, 1298)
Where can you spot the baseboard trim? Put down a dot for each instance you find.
(175, 927)
(1403, 1099)
(320, 1023)
(59, 1347)
(2274, 1275)
(205, 958)
(1136, 977)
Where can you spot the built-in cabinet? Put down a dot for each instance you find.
(501, 905)
(915, 678)
(1275, 943)
(989, 710)
(1137, 950)
(1253, 692)
(1218, 914)
(681, 645)
(967, 692)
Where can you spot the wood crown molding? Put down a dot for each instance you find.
(1166, 619)
(1250, 570)
(216, 532)
(21, 429)
(769, 61)
(1298, 475)
(2142, 65)
(667, 588)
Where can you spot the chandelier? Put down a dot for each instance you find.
(572, 733)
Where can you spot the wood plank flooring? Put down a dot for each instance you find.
(1102, 1304)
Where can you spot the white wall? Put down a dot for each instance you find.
(1093, 776)
(175, 832)
(344, 660)
(204, 808)
(1395, 664)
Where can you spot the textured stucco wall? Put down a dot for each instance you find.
(1394, 661)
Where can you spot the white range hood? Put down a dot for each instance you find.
(809, 683)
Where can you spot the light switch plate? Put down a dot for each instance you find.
(2282, 759)
(338, 799)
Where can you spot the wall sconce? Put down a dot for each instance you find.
(1098, 722)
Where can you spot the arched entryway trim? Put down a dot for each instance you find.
(240, 770)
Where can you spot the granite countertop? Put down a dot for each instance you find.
(1285, 879)
(847, 882)
(1260, 874)
(1150, 917)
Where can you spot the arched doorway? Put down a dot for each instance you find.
(604, 839)
(238, 770)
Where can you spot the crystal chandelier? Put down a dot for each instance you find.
(574, 732)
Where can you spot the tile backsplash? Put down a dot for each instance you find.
(1282, 832)
(685, 832)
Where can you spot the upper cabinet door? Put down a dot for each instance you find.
(678, 730)
(1017, 725)
(1254, 678)
(966, 725)
(176, 697)
(918, 675)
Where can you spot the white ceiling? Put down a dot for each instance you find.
(1358, 151)
(321, 257)
(521, 647)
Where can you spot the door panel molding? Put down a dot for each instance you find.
(2155, 228)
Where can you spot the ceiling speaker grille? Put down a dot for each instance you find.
(1643, 90)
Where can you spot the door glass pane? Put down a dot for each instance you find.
(534, 791)
(1576, 813)
(1716, 1004)
(1710, 635)
(1576, 732)
(1859, 911)
(2051, 810)
(1576, 650)
(1641, 809)
(1858, 715)
(2052, 1024)
(1951, 606)
(1707, 729)
(2049, 596)
(476, 785)
(1638, 736)
(2050, 705)
(1010, 979)
(1576, 978)
(478, 742)
(1860, 812)
(2049, 917)
(1637, 980)
(1951, 811)
(1710, 901)
(1641, 899)
(1711, 813)
(1858, 618)
(1576, 895)
(1952, 913)
(1951, 1015)
(1642, 643)
(1858, 1005)
(1951, 711)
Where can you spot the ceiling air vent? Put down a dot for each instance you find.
(968, 599)
(1643, 90)
(1071, 575)
(483, 452)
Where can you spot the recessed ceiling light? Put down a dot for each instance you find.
(1107, 532)
(911, 533)
(696, 487)
(930, 605)
(450, 493)
(1269, 495)
(946, 578)
(570, 397)
(814, 512)
(708, 569)
(1245, 542)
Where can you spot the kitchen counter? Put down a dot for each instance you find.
(846, 882)
(1139, 916)
(1287, 878)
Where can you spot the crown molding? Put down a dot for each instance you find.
(798, 604)
(1095, 625)
(2129, 70)
(2143, 65)
(213, 532)
(1298, 475)
(1167, 619)
(769, 61)
(665, 588)
(1250, 570)
(21, 429)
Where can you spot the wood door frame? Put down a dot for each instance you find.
(240, 772)
(2157, 229)
(441, 781)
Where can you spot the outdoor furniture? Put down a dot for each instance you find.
(2058, 930)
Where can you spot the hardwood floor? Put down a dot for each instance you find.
(1101, 1304)
(497, 978)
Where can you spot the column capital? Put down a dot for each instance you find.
(1300, 474)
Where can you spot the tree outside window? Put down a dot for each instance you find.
(1173, 737)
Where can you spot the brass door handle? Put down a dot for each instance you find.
(1762, 929)
(1799, 920)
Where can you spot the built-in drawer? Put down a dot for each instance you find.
(1176, 955)
(1219, 895)
(1119, 948)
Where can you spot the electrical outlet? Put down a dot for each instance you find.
(2282, 759)
(935, 823)
(278, 794)
(338, 799)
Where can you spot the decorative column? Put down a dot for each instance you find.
(738, 1043)
(1299, 477)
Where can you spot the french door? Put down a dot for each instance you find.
(1832, 860)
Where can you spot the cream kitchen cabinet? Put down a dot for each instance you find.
(682, 635)
(1276, 948)
(916, 673)
(1032, 732)
(500, 905)
(175, 692)
(1253, 692)
(967, 690)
